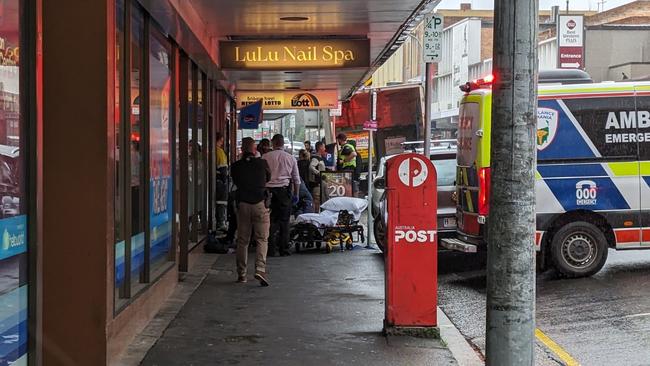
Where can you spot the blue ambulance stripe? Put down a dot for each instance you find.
(608, 196)
(571, 170)
(567, 143)
(646, 179)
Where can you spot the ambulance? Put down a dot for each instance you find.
(593, 170)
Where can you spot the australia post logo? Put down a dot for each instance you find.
(413, 172)
(547, 120)
(305, 100)
(409, 235)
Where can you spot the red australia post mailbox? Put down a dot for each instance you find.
(412, 250)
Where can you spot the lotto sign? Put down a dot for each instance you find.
(433, 26)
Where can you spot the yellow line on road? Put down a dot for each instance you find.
(559, 351)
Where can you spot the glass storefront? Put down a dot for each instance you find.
(149, 67)
(191, 76)
(160, 153)
(13, 189)
(136, 153)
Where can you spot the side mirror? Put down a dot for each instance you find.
(379, 183)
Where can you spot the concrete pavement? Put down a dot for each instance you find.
(319, 310)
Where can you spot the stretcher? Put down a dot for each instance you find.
(329, 228)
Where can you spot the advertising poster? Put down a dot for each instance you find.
(335, 184)
(362, 140)
(393, 145)
(294, 99)
(160, 184)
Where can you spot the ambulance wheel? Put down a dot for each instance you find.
(578, 249)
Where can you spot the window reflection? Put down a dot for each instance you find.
(13, 218)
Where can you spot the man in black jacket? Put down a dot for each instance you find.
(250, 175)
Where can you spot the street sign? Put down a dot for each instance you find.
(432, 47)
(370, 125)
(338, 111)
(571, 42)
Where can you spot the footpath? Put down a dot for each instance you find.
(321, 309)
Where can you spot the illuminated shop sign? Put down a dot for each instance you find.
(296, 99)
(295, 54)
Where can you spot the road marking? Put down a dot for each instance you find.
(637, 315)
(559, 351)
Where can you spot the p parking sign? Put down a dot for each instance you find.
(433, 27)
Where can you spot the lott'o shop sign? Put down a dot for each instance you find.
(296, 99)
(295, 54)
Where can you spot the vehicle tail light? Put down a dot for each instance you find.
(483, 191)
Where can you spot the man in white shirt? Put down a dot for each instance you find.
(284, 187)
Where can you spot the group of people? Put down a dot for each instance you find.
(269, 183)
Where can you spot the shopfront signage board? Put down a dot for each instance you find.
(294, 54)
(295, 99)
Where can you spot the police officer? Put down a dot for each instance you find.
(347, 154)
(251, 174)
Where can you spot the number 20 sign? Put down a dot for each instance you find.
(335, 184)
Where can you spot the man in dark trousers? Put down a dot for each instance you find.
(284, 186)
(250, 175)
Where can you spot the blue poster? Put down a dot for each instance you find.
(250, 116)
(14, 236)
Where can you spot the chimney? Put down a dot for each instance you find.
(555, 11)
(465, 6)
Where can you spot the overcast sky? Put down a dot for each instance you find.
(543, 4)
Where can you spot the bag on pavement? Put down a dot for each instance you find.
(214, 244)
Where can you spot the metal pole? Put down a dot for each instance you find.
(510, 331)
(319, 117)
(373, 117)
(427, 110)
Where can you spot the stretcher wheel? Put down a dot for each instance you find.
(328, 249)
(298, 247)
(349, 246)
(318, 245)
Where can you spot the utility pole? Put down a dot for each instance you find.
(427, 109)
(511, 224)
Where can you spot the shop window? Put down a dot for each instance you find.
(201, 147)
(191, 115)
(13, 216)
(136, 174)
(119, 229)
(160, 156)
(143, 153)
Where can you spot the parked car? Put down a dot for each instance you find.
(437, 147)
(444, 161)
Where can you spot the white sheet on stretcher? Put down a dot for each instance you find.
(325, 218)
